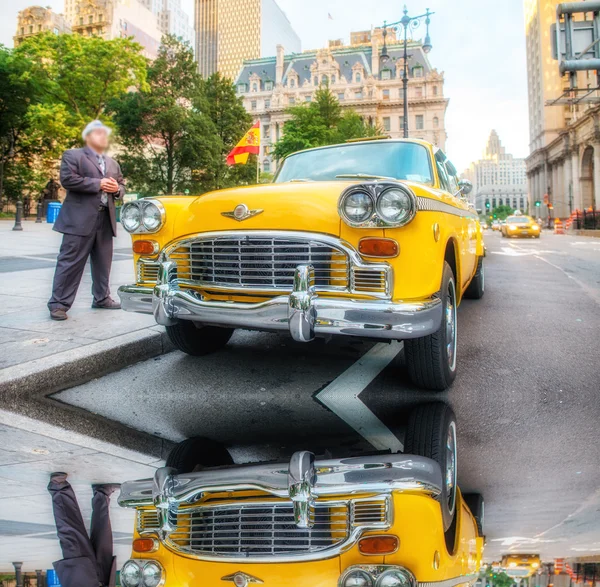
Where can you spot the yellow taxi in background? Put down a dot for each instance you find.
(521, 565)
(520, 225)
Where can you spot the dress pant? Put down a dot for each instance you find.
(73, 255)
(87, 561)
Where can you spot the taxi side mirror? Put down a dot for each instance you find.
(466, 187)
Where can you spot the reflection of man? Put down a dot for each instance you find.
(87, 220)
(87, 561)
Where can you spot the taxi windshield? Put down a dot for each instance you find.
(386, 159)
(517, 220)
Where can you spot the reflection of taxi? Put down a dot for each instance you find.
(372, 239)
(387, 520)
(521, 565)
(520, 225)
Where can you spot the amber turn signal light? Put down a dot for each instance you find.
(378, 545)
(143, 247)
(378, 247)
(144, 545)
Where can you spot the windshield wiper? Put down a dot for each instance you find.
(363, 176)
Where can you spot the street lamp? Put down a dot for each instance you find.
(412, 22)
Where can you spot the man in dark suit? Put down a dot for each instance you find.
(87, 220)
(87, 561)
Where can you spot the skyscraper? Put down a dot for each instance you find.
(172, 19)
(229, 32)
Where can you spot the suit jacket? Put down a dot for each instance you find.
(80, 175)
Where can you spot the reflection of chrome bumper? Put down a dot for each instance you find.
(303, 313)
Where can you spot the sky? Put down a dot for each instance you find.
(480, 46)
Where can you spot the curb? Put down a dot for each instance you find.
(26, 405)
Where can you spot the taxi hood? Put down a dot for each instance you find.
(310, 206)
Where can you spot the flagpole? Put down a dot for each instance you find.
(257, 169)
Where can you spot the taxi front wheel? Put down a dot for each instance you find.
(198, 340)
(431, 360)
(198, 453)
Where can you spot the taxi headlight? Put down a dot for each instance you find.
(512, 227)
(151, 574)
(358, 578)
(356, 207)
(394, 578)
(535, 227)
(396, 206)
(131, 574)
(131, 216)
(152, 216)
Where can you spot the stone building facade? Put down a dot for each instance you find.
(271, 85)
(498, 178)
(563, 167)
(37, 19)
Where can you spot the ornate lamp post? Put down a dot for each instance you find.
(412, 22)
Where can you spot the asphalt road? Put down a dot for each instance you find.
(526, 397)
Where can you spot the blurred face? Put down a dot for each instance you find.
(97, 140)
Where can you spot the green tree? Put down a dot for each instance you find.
(321, 122)
(157, 125)
(502, 212)
(217, 99)
(77, 76)
(495, 578)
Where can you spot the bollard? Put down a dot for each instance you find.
(18, 574)
(38, 218)
(40, 579)
(18, 217)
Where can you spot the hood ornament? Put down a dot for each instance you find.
(240, 579)
(241, 212)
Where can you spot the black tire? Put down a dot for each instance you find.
(476, 505)
(198, 452)
(427, 435)
(190, 339)
(476, 288)
(431, 363)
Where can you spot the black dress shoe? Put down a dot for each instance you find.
(58, 314)
(107, 304)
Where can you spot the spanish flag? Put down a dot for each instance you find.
(250, 143)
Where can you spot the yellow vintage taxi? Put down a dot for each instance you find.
(371, 239)
(520, 565)
(385, 520)
(521, 226)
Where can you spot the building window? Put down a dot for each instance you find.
(341, 96)
(386, 94)
(418, 71)
(90, 19)
(100, 17)
(324, 80)
(386, 74)
(267, 103)
(267, 132)
(99, 30)
(358, 95)
(358, 77)
(266, 166)
(253, 105)
(242, 88)
(81, 20)
(387, 125)
(31, 28)
(22, 30)
(419, 122)
(292, 101)
(402, 123)
(435, 90)
(56, 31)
(418, 91)
(254, 87)
(39, 28)
(269, 86)
(333, 79)
(316, 81)
(308, 98)
(436, 122)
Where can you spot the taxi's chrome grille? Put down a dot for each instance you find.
(259, 529)
(147, 271)
(259, 262)
(369, 281)
(262, 529)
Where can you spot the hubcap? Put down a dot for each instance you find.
(450, 315)
(451, 467)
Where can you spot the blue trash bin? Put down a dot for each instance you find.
(52, 213)
(52, 578)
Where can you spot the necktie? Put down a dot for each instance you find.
(102, 164)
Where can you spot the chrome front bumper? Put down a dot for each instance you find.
(303, 313)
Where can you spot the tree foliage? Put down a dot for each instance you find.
(179, 129)
(502, 212)
(321, 122)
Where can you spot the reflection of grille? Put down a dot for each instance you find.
(258, 262)
(253, 529)
(147, 272)
(259, 529)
